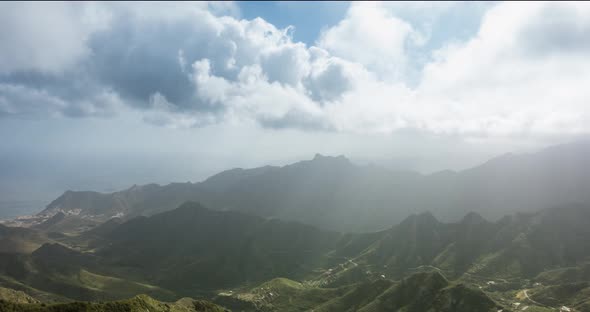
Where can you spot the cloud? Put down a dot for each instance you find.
(564, 29)
(18, 100)
(287, 64)
(163, 113)
(372, 37)
(23, 102)
(331, 77)
(48, 37)
(499, 83)
(523, 72)
(253, 96)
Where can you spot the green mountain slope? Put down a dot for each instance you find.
(518, 246)
(418, 292)
(249, 263)
(198, 248)
(140, 303)
(56, 271)
(574, 295)
(15, 296)
(15, 240)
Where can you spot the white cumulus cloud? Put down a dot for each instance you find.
(523, 72)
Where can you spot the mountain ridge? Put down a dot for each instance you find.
(195, 250)
(335, 194)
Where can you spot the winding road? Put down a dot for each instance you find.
(533, 301)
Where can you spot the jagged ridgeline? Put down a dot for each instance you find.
(332, 193)
(249, 263)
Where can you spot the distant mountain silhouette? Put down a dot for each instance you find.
(335, 194)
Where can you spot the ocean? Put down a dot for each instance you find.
(14, 208)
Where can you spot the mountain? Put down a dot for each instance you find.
(249, 263)
(574, 295)
(139, 303)
(419, 292)
(189, 250)
(137, 200)
(416, 293)
(13, 296)
(55, 272)
(226, 248)
(511, 183)
(199, 249)
(521, 245)
(20, 240)
(334, 194)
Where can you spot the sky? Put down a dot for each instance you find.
(101, 96)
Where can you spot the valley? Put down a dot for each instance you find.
(207, 242)
(295, 156)
(248, 263)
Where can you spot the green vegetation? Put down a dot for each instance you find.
(565, 275)
(279, 294)
(15, 296)
(575, 295)
(359, 296)
(140, 303)
(200, 249)
(419, 292)
(20, 240)
(55, 269)
(247, 263)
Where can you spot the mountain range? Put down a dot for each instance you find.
(332, 193)
(321, 235)
(234, 259)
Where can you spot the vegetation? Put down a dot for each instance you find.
(15, 296)
(535, 261)
(137, 304)
(15, 240)
(224, 249)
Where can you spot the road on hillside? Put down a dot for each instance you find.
(533, 301)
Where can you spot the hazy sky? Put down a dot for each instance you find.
(104, 95)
